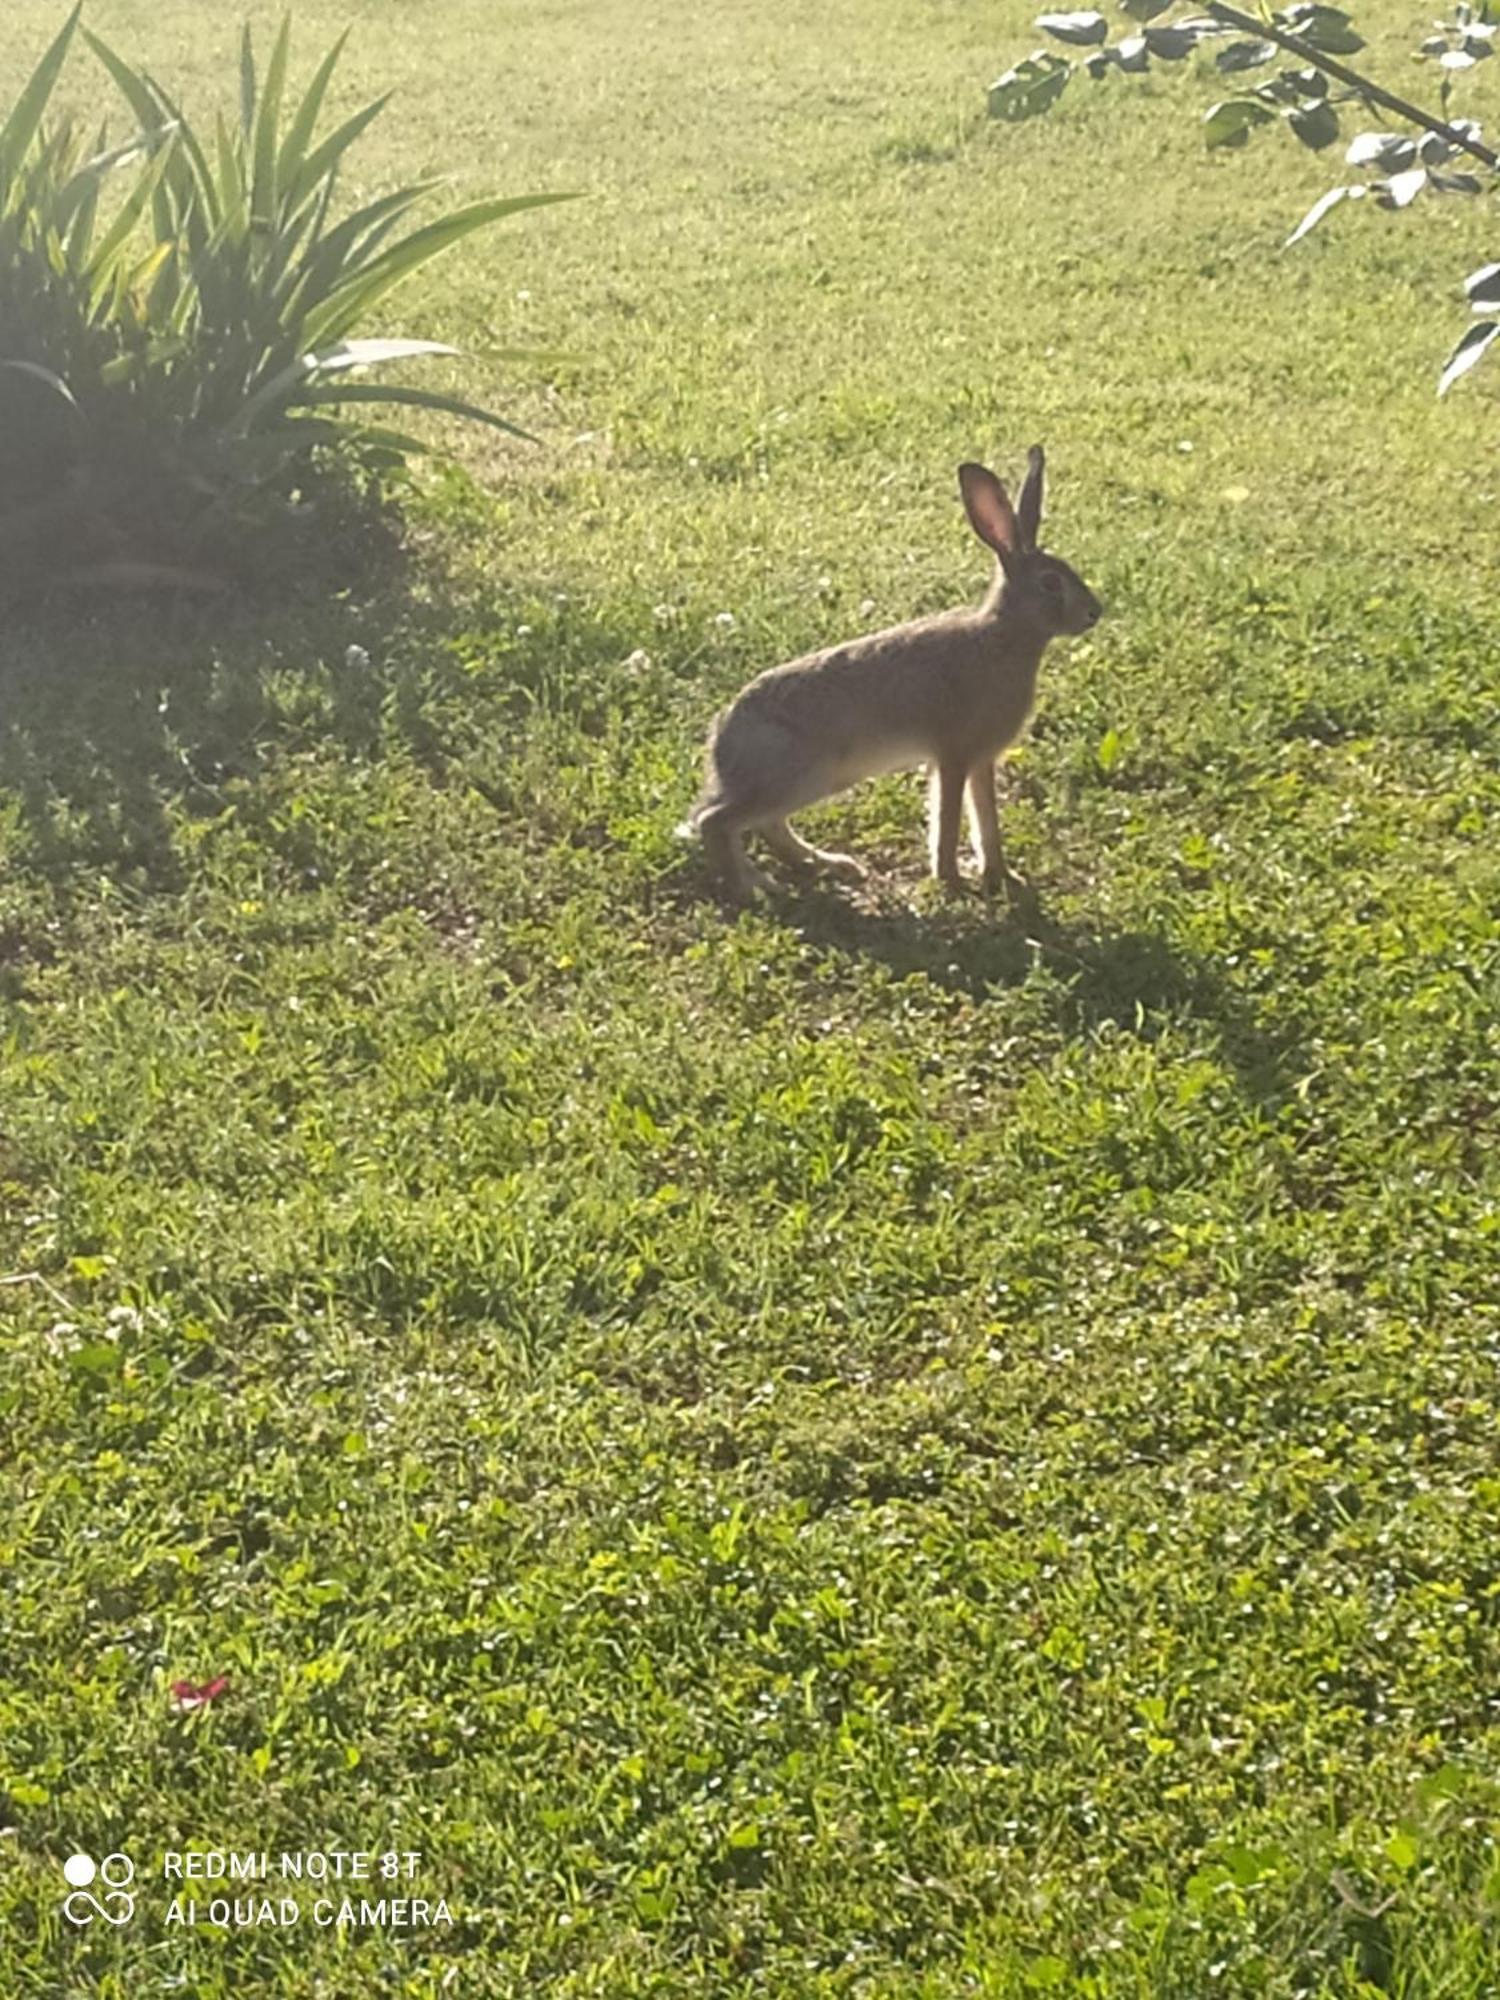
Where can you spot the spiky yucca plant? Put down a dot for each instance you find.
(190, 346)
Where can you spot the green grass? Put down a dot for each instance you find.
(884, 1448)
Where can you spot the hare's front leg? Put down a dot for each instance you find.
(985, 820)
(945, 804)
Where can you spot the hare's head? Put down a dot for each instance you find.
(1040, 588)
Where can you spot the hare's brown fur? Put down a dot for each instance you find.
(951, 692)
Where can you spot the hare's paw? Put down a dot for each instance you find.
(998, 880)
(1017, 891)
(741, 890)
(847, 867)
(797, 853)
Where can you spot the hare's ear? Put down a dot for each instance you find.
(991, 515)
(1029, 506)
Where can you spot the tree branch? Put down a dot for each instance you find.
(1267, 31)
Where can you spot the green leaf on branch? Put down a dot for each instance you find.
(1471, 349)
(1390, 150)
(1316, 125)
(1083, 30)
(1032, 87)
(1483, 288)
(1231, 122)
(1327, 29)
(1295, 88)
(1321, 207)
(1144, 10)
(1173, 43)
(1401, 190)
(1455, 183)
(1132, 55)
(1244, 55)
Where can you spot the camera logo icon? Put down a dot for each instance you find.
(113, 1904)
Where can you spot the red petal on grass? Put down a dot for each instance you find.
(189, 1695)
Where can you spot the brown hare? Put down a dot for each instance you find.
(950, 692)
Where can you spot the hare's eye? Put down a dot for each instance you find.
(1051, 582)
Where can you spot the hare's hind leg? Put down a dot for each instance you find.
(789, 846)
(722, 830)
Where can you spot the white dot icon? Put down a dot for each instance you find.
(78, 1870)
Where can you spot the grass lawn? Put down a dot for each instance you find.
(886, 1448)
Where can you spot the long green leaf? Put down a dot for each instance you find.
(267, 119)
(195, 188)
(141, 276)
(419, 399)
(26, 113)
(105, 162)
(131, 84)
(122, 227)
(347, 305)
(82, 197)
(326, 156)
(402, 443)
(140, 361)
(331, 259)
(373, 354)
(187, 180)
(280, 390)
(289, 161)
(234, 211)
(45, 376)
(247, 82)
(77, 206)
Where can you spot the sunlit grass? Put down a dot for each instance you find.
(879, 1449)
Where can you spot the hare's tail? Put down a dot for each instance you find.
(691, 824)
(709, 799)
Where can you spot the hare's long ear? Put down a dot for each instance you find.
(1029, 507)
(991, 515)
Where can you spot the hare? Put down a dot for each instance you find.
(950, 692)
